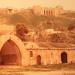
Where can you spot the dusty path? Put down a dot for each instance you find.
(8, 70)
(38, 73)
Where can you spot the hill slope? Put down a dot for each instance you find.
(33, 21)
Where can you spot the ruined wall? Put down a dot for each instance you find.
(48, 11)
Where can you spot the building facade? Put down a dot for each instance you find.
(51, 56)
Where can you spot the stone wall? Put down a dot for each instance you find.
(51, 56)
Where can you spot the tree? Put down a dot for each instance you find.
(21, 30)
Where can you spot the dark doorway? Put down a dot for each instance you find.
(10, 54)
(38, 60)
(64, 57)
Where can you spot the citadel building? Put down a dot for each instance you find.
(48, 11)
(38, 10)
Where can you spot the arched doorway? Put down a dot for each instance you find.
(38, 60)
(64, 57)
(10, 54)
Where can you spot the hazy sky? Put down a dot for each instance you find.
(67, 4)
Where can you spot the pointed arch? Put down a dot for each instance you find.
(19, 44)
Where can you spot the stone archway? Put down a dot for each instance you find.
(64, 57)
(18, 50)
(38, 60)
(10, 54)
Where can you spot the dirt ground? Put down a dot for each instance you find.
(61, 69)
(39, 73)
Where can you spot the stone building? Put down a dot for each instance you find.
(48, 11)
(38, 10)
(13, 51)
(52, 55)
(8, 11)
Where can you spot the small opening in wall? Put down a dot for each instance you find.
(38, 60)
(64, 57)
(31, 54)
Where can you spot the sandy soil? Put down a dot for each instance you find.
(14, 70)
(39, 73)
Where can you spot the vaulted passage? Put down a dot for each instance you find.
(10, 54)
(64, 57)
